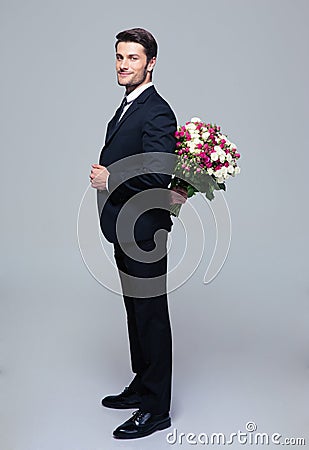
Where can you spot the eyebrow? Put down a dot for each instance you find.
(132, 54)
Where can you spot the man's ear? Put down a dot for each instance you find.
(151, 64)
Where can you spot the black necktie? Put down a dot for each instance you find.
(118, 114)
(122, 106)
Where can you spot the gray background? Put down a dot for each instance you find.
(240, 343)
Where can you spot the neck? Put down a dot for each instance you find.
(130, 89)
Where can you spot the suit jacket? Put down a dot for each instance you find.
(147, 126)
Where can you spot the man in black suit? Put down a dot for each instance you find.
(143, 125)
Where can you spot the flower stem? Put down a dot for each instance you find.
(175, 209)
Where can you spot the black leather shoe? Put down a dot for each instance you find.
(125, 400)
(142, 424)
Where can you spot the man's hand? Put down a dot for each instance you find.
(98, 176)
(178, 195)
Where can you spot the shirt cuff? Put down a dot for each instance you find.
(107, 183)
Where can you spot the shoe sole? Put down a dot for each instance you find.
(161, 426)
(121, 406)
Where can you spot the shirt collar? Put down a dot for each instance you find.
(134, 94)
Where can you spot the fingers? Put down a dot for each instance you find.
(181, 191)
(176, 197)
(96, 169)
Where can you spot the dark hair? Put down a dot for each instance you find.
(141, 36)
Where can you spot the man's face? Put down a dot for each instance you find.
(131, 65)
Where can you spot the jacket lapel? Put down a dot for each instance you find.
(114, 127)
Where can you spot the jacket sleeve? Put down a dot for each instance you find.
(158, 135)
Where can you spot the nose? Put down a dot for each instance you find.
(124, 64)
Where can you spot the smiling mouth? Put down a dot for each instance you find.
(124, 74)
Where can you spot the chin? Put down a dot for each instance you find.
(124, 83)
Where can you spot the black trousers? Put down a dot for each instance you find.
(149, 330)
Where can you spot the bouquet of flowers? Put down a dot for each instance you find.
(206, 159)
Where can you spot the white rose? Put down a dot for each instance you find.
(217, 148)
(237, 170)
(214, 156)
(191, 126)
(196, 119)
(222, 136)
(210, 171)
(205, 135)
(197, 141)
(195, 134)
(192, 147)
(230, 169)
(229, 157)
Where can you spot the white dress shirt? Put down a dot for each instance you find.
(130, 97)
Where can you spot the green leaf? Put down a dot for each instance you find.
(222, 186)
(191, 191)
(209, 195)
